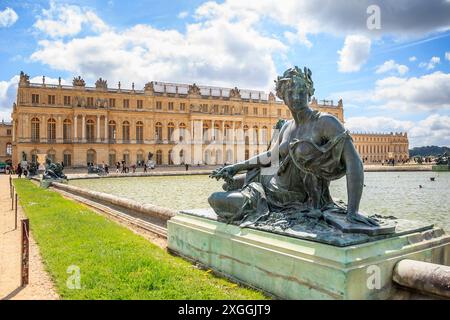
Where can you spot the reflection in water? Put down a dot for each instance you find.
(386, 193)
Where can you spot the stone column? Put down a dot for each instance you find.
(59, 130)
(83, 128)
(106, 128)
(75, 128)
(98, 128)
(43, 130)
(212, 132)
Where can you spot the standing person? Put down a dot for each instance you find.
(186, 166)
(19, 171)
(118, 167)
(145, 167)
(106, 169)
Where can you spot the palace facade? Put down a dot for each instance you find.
(171, 123)
(6, 142)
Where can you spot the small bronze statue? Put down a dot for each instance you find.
(53, 171)
(311, 150)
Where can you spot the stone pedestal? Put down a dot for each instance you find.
(440, 167)
(295, 268)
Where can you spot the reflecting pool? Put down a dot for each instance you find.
(387, 193)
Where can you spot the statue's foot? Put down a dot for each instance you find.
(314, 213)
(359, 218)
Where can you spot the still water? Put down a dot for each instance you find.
(385, 193)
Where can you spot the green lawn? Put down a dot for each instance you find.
(114, 262)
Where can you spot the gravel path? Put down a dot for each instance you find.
(40, 285)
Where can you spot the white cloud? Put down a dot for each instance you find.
(354, 53)
(433, 130)
(390, 65)
(8, 17)
(447, 55)
(240, 56)
(68, 20)
(429, 92)
(412, 59)
(183, 14)
(430, 64)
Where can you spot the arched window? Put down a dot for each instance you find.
(247, 154)
(264, 134)
(8, 149)
(182, 127)
(229, 156)
(51, 154)
(219, 156)
(91, 157)
(139, 132)
(246, 136)
(159, 157)
(215, 135)
(34, 154)
(126, 157)
(67, 161)
(170, 130)
(205, 132)
(158, 132)
(140, 157)
(126, 132)
(181, 154)
(227, 132)
(90, 129)
(51, 130)
(112, 131)
(171, 162)
(35, 130)
(255, 135)
(112, 158)
(207, 157)
(67, 131)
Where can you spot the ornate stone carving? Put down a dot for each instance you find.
(78, 82)
(271, 97)
(149, 87)
(101, 84)
(340, 103)
(235, 93)
(79, 102)
(194, 90)
(24, 79)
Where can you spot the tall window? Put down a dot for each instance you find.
(139, 132)
(264, 133)
(51, 154)
(159, 157)
(215, 135)
(182, 106)
(170, 157)
(67, 130)
(182, 132)
(140, 157)
(90, 126)
(90, 102)
(91, 157)
(205, 132)
(264, 111)
(126, 103)
(158, 131)
(226, 133)
(245, 110)
(8, 149)
(34, 98)
(170, 106)
(35, 130)
(255, 111)
(67, 100)
(158, 105)
(51, 99)
(170, 130)
(226, 109)
(67, 159)
(112, 131)
(126, 131)
(246, 137)
(51, 130)
(126, 157)
(140, 104)
(255, 135)
(112, 158)
(112, 102)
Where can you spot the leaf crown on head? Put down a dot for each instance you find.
(295, 75)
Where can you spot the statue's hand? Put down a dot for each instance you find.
(224, 172)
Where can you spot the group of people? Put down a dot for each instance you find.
(122, 167)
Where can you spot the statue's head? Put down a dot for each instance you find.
(295, 86)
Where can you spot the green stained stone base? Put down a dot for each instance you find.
(292, 268)
(440, 167)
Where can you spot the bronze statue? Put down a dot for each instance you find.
(312, 149)
(53, 171)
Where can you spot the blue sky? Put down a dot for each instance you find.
(392, 78)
